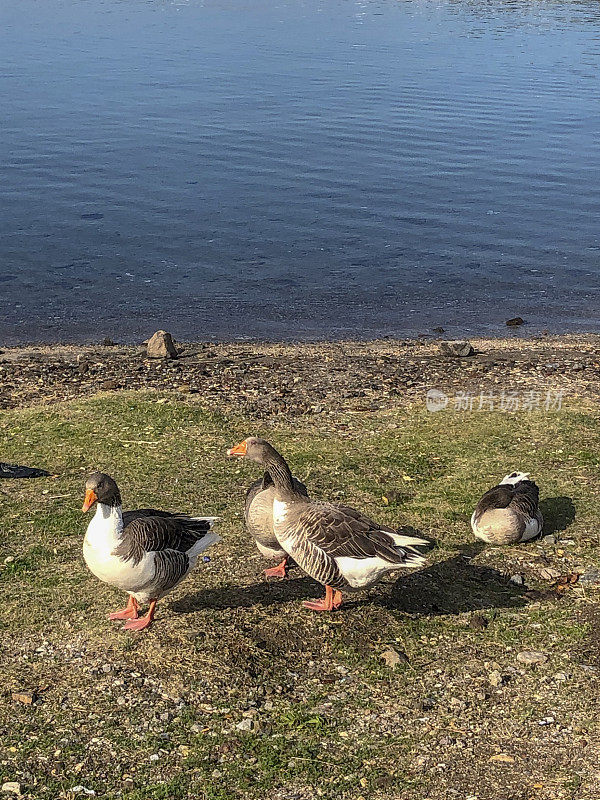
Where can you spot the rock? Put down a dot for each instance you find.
(24, 697)
(514, 321)
(161, 345)
(83, 790)
(11, 787)
(590, 576)
(107, 342)
(516, 579)
(110, 385)
(393, 657)
(549, 539)
(247, 725)
(439, 329)
(495, 678)
(459, 348)
(549, 573)
(531, 657)
(503, 758)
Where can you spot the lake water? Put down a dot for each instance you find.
(301, 169)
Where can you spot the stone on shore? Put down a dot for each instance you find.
(459, 348)
(531, 657)
(514, 321)
(161, 345)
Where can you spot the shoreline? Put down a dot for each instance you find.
(527, 331)
(291, 379)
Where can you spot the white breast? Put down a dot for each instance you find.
(360, 572)
(280, 511)
(102, 537)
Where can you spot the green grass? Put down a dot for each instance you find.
(332, 719)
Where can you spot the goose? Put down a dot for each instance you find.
(258, 514)
(336, 545)
(145, 552)
(508, 513)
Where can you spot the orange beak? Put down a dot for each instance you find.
(90, 499)
(238, 450)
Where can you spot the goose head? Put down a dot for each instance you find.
(101, 488)
(253, 448)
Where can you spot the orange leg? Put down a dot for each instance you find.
(129, 612)
(331, 602)
(280, 571)
(142, 622)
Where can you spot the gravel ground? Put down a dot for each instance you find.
(262, 380)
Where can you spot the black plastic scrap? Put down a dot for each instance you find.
(14, 471)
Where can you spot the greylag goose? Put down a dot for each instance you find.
(258, 513)
(146, 552)
(336, 545)
(508, 513)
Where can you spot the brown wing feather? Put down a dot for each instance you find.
(523, 497)
(151, 534)
(342, 531)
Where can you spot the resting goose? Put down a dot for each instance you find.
(508, 513)
(146, 552)
(258, 513)
(334, 544)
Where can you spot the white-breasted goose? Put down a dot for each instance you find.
(509, 512)
(146, 552)
(336, 545)
(258, 514)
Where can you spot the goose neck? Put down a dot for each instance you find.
(281, 476)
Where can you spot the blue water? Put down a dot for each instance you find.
(301, 169)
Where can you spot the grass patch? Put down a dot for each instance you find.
(160, 714)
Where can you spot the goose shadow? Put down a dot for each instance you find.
(452, 586)
(264, 593)
(558, 513)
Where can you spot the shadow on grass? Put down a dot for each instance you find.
(454, 586)
(265, 593)
(450, 587)
(558, 513)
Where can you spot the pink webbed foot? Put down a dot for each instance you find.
(138, 624)
(142, 622)
(129, 612)
(280, 571)
(331, 602)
